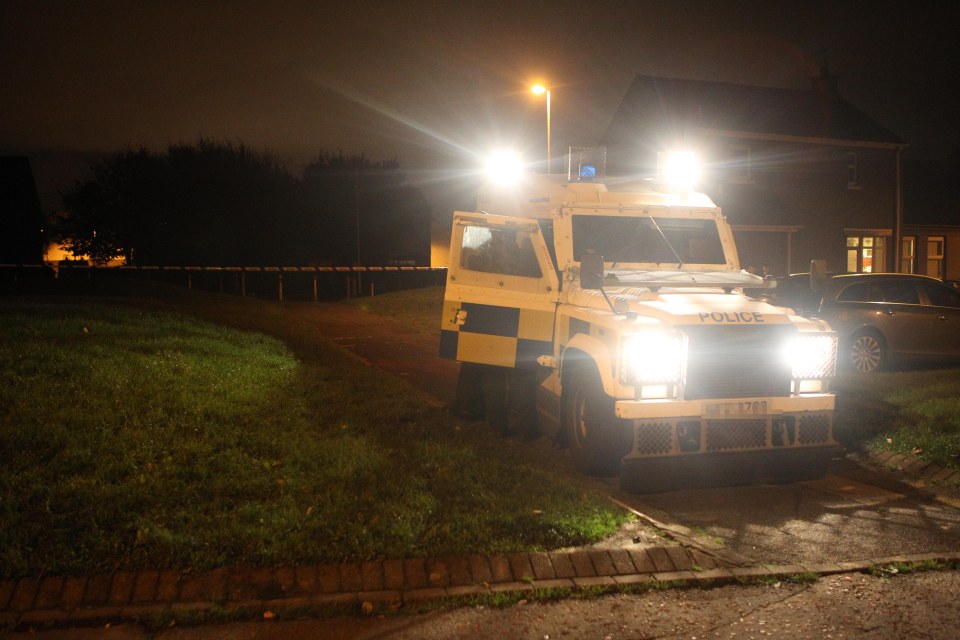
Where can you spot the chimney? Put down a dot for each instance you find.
(826, 82)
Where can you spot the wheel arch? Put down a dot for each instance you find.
(581, 350)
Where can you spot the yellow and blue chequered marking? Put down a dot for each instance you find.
(497, 335)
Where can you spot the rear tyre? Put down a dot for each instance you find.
(482, 394)
(596, 438)
(867, 352)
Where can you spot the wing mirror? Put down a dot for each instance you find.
(591, 270)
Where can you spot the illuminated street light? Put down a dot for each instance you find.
(540, 89)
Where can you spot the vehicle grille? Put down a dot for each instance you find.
(726, 435)
(654, 438)
(671, 437)
(736, 361)
(814, 429)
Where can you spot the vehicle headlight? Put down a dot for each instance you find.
(812, 356)
(652, 358)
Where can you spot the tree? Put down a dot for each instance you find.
(113, 209)
(213, 203)
(233, 207)
(209, 203)
(365, 213)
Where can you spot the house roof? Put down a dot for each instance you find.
(21, 216)
(662, 111)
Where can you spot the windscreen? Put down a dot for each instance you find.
(648, 239)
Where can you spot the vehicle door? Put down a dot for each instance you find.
(904, 319)
(943, 305)
(501, 293)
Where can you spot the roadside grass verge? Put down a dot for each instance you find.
(914, 412)
(186, 430)
(419, 308)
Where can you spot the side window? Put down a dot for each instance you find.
(900, 292)
(942, 296)
(503, 251)
(859, 292)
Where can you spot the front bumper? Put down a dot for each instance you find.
(657, 475)
(723, 408)
(726, 441)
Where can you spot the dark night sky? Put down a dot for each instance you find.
(435, 83)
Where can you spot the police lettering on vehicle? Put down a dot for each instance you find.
(732, 317)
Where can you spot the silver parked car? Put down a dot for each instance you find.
(883, 318)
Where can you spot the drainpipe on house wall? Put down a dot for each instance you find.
(898, 213)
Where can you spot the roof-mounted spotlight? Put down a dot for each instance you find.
(504, 167)
(680, 169)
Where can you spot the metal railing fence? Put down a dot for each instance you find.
(280, 283)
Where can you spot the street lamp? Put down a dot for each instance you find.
(540, 89)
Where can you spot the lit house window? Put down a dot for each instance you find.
(866, 254)
(853, 255)
(935, 257)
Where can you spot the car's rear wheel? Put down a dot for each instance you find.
(867, 352)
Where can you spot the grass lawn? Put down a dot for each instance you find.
(418, 308)
(171, 428)
(188, 430)
(913, 412)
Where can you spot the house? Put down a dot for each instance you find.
(800, 174)
(930, 243)
(21, 216)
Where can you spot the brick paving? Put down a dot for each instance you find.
(125, 595)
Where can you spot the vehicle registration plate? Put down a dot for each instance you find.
(736, 409)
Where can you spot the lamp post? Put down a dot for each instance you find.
(540, 89)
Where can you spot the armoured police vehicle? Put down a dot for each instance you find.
(612, 314)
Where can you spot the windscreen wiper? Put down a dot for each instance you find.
(670, 246)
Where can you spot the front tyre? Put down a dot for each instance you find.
(596, 438)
